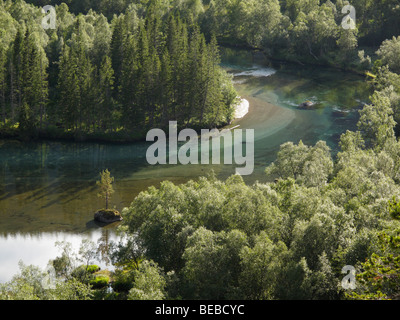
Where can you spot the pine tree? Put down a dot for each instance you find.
(84, 71)
(194, 84)
(26, 120)
(17, 69)
(153, 88)
(12, 90)
(117, 52)
(34, 84)
(105, 185)
(166, 94)
(214, 92)
(128, 81)
(3, 82)
(69, 89)
(43, 87)
(106, 86)
(76, 83)
(142, 77)
(178, 52)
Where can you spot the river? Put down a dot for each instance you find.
(48, 189)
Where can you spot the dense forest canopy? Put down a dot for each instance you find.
(209, 239)
(139, 64)
(138, 71)
(290, 28)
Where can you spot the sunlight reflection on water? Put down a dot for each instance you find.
(38, 249)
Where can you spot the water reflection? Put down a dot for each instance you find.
(37, 249)
(48, 191)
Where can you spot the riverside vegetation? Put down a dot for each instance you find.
(286, 239)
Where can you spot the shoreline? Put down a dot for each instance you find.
(250, 113)
(241, 110)
(265, 118)
(288, 59)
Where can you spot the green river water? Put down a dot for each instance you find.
(48, 189)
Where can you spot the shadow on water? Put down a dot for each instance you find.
(50, 186)
(93, 224)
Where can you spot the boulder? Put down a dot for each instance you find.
(107, 216)
(306, 104)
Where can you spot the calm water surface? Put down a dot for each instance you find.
(48, 189)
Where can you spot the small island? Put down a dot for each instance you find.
(106, 215)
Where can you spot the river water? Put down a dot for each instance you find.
(48, 189)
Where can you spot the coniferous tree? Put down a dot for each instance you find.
(35, 86)
(165, 88)
(12, 90)
(68, 89)
(128, 81)
(158, 68)
(117, 51)
(106, 86)
(105, 186)
(17, 69)
(142, 77)
(3, 82)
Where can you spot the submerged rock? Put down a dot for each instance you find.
(107, 216)
(306, 104)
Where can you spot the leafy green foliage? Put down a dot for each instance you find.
(379, 278)
(148, 283)
(389, 53)
(285, 238)
(100, 281)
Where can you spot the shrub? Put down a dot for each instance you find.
(99, 282)
(123, 281)
(92, 268)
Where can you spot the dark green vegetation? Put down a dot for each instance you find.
(99, 78)
(287, 239)
(212, 239)
(113, 69)
(299, 30)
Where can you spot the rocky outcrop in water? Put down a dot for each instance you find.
(107, 216)
(306, 104)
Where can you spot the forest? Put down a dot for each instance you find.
(114, 69)
(115, 66)
(108, 78)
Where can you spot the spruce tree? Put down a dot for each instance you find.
(17, 68)
(128, 81)
(35, 86)
(166, 94)
(68, 89)
(142, 77)
(117, 52)
(3, 82)
(106, 86)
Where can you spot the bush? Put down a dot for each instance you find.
(99, 282)
(123, 281)
(92, 268)
(84, 272)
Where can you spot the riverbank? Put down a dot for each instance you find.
(50, 186)
(265, 118)
(52, 133)
(327, 62)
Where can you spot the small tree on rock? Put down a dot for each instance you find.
(105, 184)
